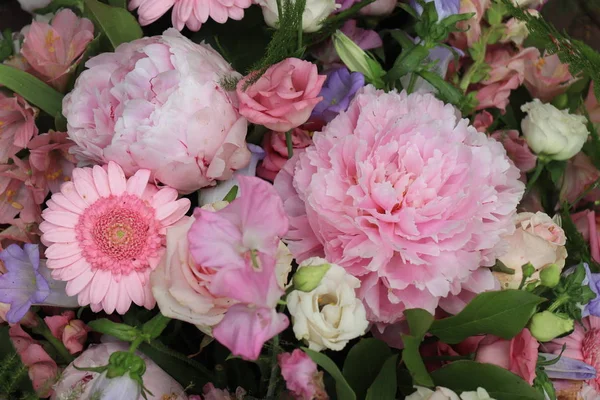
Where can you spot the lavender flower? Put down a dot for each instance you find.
(339, 89)
(442, 56)
(444, 8)
(593, 280)
(28, 282)
(568, 368)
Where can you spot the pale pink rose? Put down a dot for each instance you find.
(579, 175)
(72, 332)
(210, 392)
(43, 370)
(366, 39)
(17, 125)
(379, 8)
(517, 149)
(52, 49)
(470, 30)
(20, 194)
(76, 385)
(283, 97)
(507, 74)
(156, 103)
(190, 13)
(518, 355)
(50, 159)
(592, 105)
(537, 240)
(483, 120)
(403, 195)
(547, 77)
(276, 151)
(301, 375)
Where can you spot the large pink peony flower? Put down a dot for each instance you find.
(156, 103)
(105, 234)
(404, 196)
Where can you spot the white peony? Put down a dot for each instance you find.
(330, 315)
(314, 13)
(553, 133)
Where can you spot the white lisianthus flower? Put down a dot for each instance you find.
(330, 315)
(119, 388)
(31, 5)
(553, 133)
(480, 394)
(314, 13)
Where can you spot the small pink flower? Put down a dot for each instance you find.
(106, 233)
(483, 120)
(245, 329)
(17, 125)
(190, 13)
(210, 392)
(283, 97)
(547, 77)
(470, 30)
(379, 8)
(43, 370)
(588, 225)
(517, 149)
(72, 332)
(518, 355)
(592, 105)
(52, 49)
(20, 194)
(275, 146)
(301, 375)
(50, 159)
(366, 39)
(579, 175)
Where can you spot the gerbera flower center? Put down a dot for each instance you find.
(119, 233)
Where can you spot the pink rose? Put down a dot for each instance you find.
(301, 375)
(483, 120)
(517, 149)
(43, 371)
(579, 175)
(72, 332)
(51, 49)
(50, 159)
(547, 77)
(283, 97)
(592, 105)
(17, 125)
(275, 146)
(518, 355)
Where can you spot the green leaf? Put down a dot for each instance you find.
(556, 169)
(118, 24)
(410, 60)
(343, 389)
(118, 3)
(419, 322)
(384, 387)
(504, 313)
(32, 89)
(446, 91)
(232, 194)
(363, 364)
(155, 326)
(500, 383)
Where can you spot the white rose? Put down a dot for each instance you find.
(441, 393)
(330, 315)
(31, 5)
(551, 132)
(480, 394)
(314, 13)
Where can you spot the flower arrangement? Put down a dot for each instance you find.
(298, 199)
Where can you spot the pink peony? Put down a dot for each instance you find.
(190, 13)
(547, 77)
(17, 125)
(579, 175)
(482, 121)
(105, 234)
(405, 197)
(156, 103)
(275, 146)
(75, 384)
(583, 345)
(43, 370)
(283, 97)
(50, 159)
(592, 106)
(72, 332)
(507, 74)
(52, 49)
(301, 375)
(517, 150)
(518, 355)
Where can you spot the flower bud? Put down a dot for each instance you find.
(357, 60)
(528, 270)
(310, 273)
(546, 326)
(561, 101)
(550, 275)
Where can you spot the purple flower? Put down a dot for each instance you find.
(444, 8)
(28, 281)
(568, 368)
(593, 280)
(339, 89)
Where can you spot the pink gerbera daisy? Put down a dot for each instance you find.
(106, 233)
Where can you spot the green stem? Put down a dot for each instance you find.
(274, 368)
(411, 83)
(536, 174)
(562, 299)
(42, 329)
(288, 142)
(136, 343)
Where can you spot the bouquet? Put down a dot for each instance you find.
(298, 199)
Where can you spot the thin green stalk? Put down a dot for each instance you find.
(536, 174)
(411, 83)
(562, 299)
(274, 368)
(288, 142)
(42, 329)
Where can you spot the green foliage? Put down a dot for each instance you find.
(577, 247)
(343, 389)
(500, 383)
(117, 24)
(364, 363)
(570, 295)
(384, 387)
(335, 22)
(6, 44)
(120, 331)
(55, 5)
(14, 380)
(503, 313)
(419, 322)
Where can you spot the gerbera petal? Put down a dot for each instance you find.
(183, 205)
(163, 196)
(65, 203)
(100, 285)
(85, 188)
(123, 299)
(60, 218)
(134, 288)
(101, 181)
(73, 270)
(84, 297)
(78, 283)
(57, 263)
(138, 182)
(60, 235)
(69, 191)
(61, 250)
(110, 300)
(116, 179)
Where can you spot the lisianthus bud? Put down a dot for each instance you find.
(357, 60)
(546, 326)
(550, 275)
(310, 273)
(551, 132)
